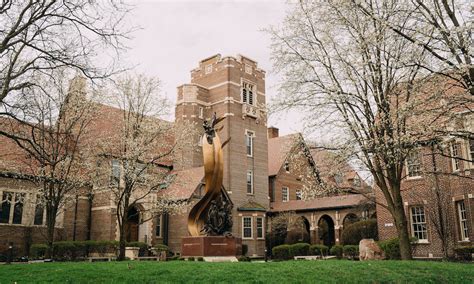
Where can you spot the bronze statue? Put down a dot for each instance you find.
(212, 214)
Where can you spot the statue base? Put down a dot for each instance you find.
(211, 246)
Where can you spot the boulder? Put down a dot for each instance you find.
(368, 250)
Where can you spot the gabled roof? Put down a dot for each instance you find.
(278, 150)
(184, 184)
(252, 206)
(321, 203)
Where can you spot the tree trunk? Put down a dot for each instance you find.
(50, 224)
(122, 244)
(403, 236)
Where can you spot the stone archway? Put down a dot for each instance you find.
(132, 225)
(326, 231)
(349, 219)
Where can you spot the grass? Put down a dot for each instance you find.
(329, 271)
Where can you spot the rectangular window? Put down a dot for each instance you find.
(272, 189)
(158, 226)
(455, 155)
(11, 209)
(260, 233)
(413, 164)
(418, 224)
(249, 182)
(248, 91)
(284, 194)
(246, 227)
(201, 112)
(249, 142)
(115, 173)
(462, 220)
(298, 194)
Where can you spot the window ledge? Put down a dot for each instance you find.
(422, 242)
(414, 178)
(464, 241)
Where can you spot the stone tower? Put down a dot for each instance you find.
(233, 88)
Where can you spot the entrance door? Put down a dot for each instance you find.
(132, 225)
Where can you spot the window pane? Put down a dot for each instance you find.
(158, 226)
(5, 208)
(419, 228)
(18, 208)
(115, 173)
(250, 182)
(39, 212)
(247, 227)
(259, 227)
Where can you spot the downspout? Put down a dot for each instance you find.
(89, 218)
(165, 228)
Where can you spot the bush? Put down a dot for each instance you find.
(353, 233)
(281, 252)
(191, 258)
(298, 249)
(391, 248)
(64, 250)
(318, 250)
(336, 250)
(464, 253)
(350, 251)
(161, 247)
(38, 250)
(102, 247)
(244, 258)
(200, 258)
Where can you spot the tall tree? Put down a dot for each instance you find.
(37, 37)
(351, 75)
(140, 150)
(442, 28)
(48, 129)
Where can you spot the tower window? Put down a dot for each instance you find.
(249, 182)
(299, 195)
(248, 91)
(249, 142)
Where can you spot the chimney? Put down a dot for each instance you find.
(272, 132)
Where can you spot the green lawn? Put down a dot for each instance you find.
(332, 271)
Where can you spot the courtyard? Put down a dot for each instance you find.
(329, 271)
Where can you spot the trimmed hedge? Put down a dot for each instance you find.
(350, 251)
(336, 250)
(318, 250)
(71, 250)
(391, 247)
(464, 253)
(38, 250)
(281, 252)
(298, 249)
(353, 233)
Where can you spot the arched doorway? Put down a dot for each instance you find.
(349, 219)
(298, 231)
(326, 231)
(132, 225)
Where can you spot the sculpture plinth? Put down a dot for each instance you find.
(210, 219)
(211, 246)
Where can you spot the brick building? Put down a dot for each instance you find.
(345, 199)
(438, 186)
(256, 160)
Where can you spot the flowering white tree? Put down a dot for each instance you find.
(140, 150)
(353, 75)
(48, 126)
(443, 29)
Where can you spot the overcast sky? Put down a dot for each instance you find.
(176, 35)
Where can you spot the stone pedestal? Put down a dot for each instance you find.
(132, 252)
(211, 246)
